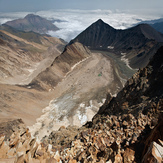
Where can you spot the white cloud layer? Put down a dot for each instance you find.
(75, 21)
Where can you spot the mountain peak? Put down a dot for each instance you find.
(30, 16)
(96, 35)
(33, 23)
(102, 23)
(99, 21)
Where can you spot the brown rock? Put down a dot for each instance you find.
(14, 140)
(11, 153)
(8, 160)
(39, 152)
(93, 151)
(72, 161)
(129, 155)
(3, 150)
(2, 138)
(118, 158)
(154, 153)
(125, 123)
(20, 157)
(57, 156)
(21, 148)
(51, 160)
(62, 128)
(33, 150)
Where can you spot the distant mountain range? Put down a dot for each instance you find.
(33, 23)
(157, 24)
(137, 43)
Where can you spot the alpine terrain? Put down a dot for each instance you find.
(97, 98)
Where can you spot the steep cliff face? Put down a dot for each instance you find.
(137, 43)
(153, 144)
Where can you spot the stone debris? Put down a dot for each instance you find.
(109, 140)
(154, 153)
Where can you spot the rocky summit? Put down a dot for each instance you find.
(127, 128)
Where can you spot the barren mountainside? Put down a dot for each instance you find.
(22, 52)
(137, 43)
(127, 129)
(82, 102)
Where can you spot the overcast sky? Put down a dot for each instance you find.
(36, 5)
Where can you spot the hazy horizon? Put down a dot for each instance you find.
(37, 5)
(75, 16)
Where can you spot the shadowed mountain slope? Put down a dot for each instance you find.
(33, 23)
(143, 89)
(137, 43)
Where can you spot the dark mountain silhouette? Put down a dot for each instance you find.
(96, 35)
(139, 42)
(33, 23)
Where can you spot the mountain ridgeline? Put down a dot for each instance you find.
(137, 43)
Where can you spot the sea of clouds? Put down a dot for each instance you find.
(72, 22)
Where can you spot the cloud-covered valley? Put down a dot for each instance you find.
(72, 22)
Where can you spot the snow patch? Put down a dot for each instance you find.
(110, 47)
(60, 113)
(125, 60)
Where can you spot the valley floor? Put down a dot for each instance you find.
(74, 101)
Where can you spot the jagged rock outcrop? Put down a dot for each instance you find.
(138, 43)
(33, 23)
(153, 149)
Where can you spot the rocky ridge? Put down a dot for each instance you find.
(62, 64)
(137, 43)
(116, 133)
